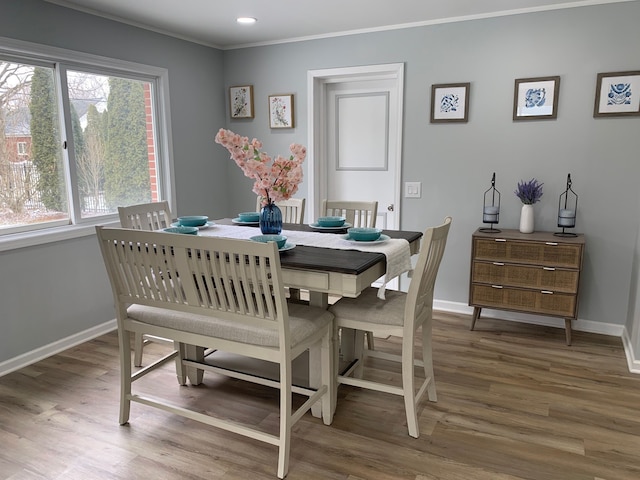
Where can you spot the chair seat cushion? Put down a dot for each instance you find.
(369, 308)
(303, 322)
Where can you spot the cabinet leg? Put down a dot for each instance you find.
(476, 316)
(567, 330)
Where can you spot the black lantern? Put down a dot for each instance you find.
(567, 210)
(491, 207)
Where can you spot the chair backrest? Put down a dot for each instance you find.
(359, 214)
(419, 304)
(234, 280)
(292, 209)
(146, 216)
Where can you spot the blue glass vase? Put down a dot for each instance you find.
(271, 219)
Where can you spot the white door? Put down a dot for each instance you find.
(355, 131)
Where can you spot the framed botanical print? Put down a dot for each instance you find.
(281, 111)
(450, 102)
(536, 98)
(617, 94)
(241, 101)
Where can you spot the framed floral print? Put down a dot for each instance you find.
(536, 98)
(617, 94)
(241, 101)
(450, 102)
(281, 111)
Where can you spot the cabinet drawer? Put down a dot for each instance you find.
(542, 278)
(536, 253)
(530, 301)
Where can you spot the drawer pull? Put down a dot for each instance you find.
(547, 292)
(496, 286)
(549, 268)
(500, 239)
(499, 264)
(553, 244)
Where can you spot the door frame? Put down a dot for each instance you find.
(317, 81)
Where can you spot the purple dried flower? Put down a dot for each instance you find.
(529, 192)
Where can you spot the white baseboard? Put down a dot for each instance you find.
(632, 361)
(61, 345)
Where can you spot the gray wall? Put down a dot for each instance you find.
(454, 162)
(50, 292)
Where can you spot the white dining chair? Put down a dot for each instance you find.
(223, 294)
(357, 213)
(145, 216)
(401, 315)
(292, 209)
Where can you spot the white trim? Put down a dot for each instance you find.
(316, 88)
(632, 361)
(58, 346)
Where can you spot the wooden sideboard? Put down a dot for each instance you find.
(535, 273)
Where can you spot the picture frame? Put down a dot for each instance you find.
(617, 94)
(241, 101)
(281, 111)
(450, 102)
(536, 98)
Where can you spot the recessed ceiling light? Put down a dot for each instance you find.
(246, 20)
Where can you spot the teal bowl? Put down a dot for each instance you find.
(249, 217)
(364, 234)
(331, 221)
(193, 221)
(281, 240)
(183, 230)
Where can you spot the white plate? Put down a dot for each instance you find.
(240, 222)
(287, 246)
(201, 227)
(381, 239)
(319, 227)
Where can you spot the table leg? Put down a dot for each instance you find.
(476, 316)
(321, 300)
(567, 330)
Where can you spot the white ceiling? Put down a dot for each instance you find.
(213, 22)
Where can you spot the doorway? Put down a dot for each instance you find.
(355, 137)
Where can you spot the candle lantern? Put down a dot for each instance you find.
(491, 207)
(567, 210)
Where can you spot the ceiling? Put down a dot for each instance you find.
(213, 22)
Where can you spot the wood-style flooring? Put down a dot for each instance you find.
(514, 402)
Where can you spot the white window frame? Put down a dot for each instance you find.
(21, 147)
(69, 59)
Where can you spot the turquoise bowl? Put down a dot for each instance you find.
(249, 217)
(364, 234)
(331, 221)
(281, 240)
(181, 229)
(193, 221)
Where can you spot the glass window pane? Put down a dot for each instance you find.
(32, 179)
(113, 134)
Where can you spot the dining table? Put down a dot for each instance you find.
(337, 269)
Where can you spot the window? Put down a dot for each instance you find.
(77, 139)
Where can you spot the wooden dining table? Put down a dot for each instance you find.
(322, 272)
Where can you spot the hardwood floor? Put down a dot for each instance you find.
(514, 402)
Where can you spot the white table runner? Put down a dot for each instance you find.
(395, 249)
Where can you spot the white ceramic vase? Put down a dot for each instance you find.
(526, 219)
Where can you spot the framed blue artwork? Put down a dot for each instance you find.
(536, 98)
(617, 94)
(450, 102)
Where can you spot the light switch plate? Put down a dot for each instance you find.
(412, 189)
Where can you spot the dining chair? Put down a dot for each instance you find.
(401, 314)
(223, 294)
(145, 216)
(358, 214)
(292, 209)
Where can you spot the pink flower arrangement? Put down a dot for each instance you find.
(275, 180)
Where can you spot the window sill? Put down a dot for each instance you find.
(49, 235)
